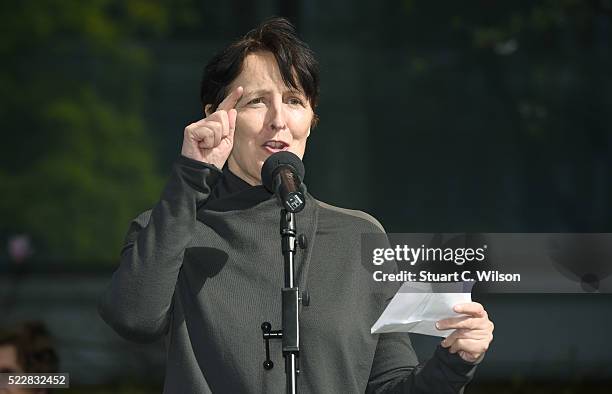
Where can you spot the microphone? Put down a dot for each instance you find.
(282, 175)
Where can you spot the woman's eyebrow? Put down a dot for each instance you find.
(256, 92)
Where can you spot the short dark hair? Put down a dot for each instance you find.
(35, 352)
(276, 35)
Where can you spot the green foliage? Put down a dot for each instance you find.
(76, 159)
(508, 104)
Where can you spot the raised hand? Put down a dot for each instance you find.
(211, 139)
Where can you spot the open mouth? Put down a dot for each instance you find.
(274, 146)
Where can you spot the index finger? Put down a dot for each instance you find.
(453, 322)
(470, 308)
(231, 99)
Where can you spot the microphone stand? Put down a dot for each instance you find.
(291, 299)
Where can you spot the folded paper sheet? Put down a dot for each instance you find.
(419, 312)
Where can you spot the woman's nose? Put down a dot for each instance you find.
(276, 118)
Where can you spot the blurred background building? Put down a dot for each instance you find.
(491, 116)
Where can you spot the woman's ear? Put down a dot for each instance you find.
(208, 110)
(314, 122)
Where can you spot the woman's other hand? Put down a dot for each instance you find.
(473, 333)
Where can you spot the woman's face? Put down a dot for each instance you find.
(271, 117)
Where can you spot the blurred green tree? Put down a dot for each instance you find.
(76, 158)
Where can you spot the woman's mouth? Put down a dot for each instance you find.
(274, 146)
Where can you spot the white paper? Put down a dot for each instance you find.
(419, 312)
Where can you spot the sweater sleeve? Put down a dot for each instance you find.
(138, 300)
(395, 369)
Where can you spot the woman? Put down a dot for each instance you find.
(26, 348)
(203, 267)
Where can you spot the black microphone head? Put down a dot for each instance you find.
(276, 161)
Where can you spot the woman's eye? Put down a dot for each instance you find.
(295, 101)
(256, 101)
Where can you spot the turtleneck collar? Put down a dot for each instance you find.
(232, 192)
(229, 183)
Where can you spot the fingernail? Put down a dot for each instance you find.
(438, 325)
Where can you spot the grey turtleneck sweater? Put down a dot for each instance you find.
(203, 269)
